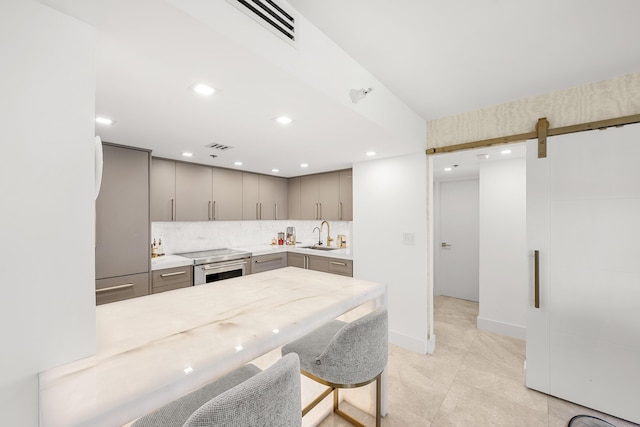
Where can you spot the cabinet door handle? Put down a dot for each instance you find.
(115, 288)
(260, 210)
(320, 216)
(209, 210)
(257, 215)
(275, 211)
(177, 273)
(215, 213)
(344, 264)
(536, 279)
(173, 209)
(259, 261)
(340, 216)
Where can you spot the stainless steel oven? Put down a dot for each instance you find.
(218, 264)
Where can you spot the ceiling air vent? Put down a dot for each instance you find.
(220, 147)
(271, 16)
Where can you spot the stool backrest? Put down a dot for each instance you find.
(358, 352)
(270, 398)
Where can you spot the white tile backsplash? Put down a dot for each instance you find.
(180, 237)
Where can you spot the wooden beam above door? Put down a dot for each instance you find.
(600, 124)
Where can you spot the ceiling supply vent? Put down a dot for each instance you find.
(271, 16)
(220, 147)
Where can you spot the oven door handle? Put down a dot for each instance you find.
(223, 267)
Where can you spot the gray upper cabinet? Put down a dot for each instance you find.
(294, 198)
(320, 196)
(329, 195)
(309, 208)
(274, 195)
(163, 189)
(227, 194)
(122, 213)
(193, 192)
(346, 196)
(250, 196)
(264, 197)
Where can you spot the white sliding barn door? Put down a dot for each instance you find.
(583, 216)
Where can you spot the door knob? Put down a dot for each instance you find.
(445, 245)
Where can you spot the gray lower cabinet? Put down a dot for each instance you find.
(169, 279)
(122, 225)
(120, 288)
(341, 266)
(320, 263)
(268, 262)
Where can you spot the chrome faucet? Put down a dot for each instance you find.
(329, 239)
(314, 229)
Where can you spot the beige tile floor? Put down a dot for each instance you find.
(474, 378)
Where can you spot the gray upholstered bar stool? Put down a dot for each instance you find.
(345, 355)
(244, 397)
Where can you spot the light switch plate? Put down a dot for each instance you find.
(409, 239)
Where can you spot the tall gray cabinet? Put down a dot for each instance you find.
(122, 225)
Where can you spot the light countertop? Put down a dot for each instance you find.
(154, 349)
(171, 261)
(302, 248)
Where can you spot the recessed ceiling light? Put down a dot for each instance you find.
(371, 153)
(203, 89)
(505, 152)
(237, 163)
(104, 121)
(448, 169)
(275, 170)
(283, 120)
(304, 165)
(482, 156)
(187, 154)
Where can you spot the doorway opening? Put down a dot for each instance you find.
(479, 221)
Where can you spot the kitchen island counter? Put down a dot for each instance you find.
(153, 350)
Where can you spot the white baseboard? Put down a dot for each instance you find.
(410, 343)
(501, 328)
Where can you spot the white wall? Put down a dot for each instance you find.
(47, 313)
(389, 202)
(503, 247)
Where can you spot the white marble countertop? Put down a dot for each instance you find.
(154, 349)
(171, 261)
(302, 248)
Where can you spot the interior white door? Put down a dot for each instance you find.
(583, 211)
(457, 269)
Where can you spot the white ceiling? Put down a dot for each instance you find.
(440, 58)
(448, 57)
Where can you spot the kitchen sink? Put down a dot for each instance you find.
(322, 248)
